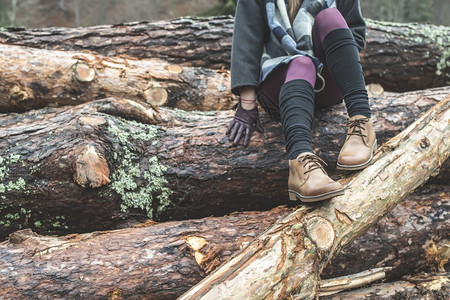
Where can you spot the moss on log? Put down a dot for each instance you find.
(181, 166)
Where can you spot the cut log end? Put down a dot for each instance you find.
(374, 89)
(320, 232)
(91, 169)
(156, 96)
(83, 72)
(175, 69)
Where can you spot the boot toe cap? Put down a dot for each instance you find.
(353, 159)
(322, 189)
(357, 160)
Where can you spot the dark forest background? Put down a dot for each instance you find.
(74, 13)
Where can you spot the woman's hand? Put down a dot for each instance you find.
(243, 122)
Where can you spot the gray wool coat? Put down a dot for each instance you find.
(251, 32)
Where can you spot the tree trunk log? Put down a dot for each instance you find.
(287, 259)
(34, 78)
(200, 42)
(398, 240)
(401, 57)
(408, 56)
(164, 260)
(422, 286)
(90, 168)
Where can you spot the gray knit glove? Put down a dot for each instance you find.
(242, 124)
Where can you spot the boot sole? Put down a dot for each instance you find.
(294, 196)
(360, 166)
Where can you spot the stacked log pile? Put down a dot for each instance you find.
(400, 57)
(107, 130)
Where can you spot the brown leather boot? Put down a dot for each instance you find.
(309, 182)
(359, 146)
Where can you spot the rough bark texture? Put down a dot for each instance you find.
(161, 261)
(90, 167)
(398, 241)
(155, 262)
(201, 42)
(401, 57)
(35, 78)
(287, 258)
(405, 57)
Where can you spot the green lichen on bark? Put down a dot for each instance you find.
(437, 36)
(15, 217)
(140, 184)
(444, 62)
(12, 217)
(6, 183)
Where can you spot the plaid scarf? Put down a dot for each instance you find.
(287, 40)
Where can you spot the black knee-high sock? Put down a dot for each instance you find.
(296, 112)
(345, 66)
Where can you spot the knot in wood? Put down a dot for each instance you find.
(321, 232)
(22, 96)
(424, 143)
(91, 169)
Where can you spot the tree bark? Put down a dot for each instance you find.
(34, 78)
(401, 57)
(94, 166)
(398, 241)
(192, 41)
(409, 56)
(287, 258)
(162, 261)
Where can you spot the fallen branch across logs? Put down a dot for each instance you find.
(287, 258)
(98, 165)
(161, 261)
(35, 78)
(333, 286)
(421, 286)
(399, 56)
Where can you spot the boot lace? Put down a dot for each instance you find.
(312, 162)
(356, 127)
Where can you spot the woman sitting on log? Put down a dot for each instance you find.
(283, 53)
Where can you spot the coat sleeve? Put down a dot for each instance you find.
(351, 10)
(249, 35)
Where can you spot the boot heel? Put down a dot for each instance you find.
(292, 197)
